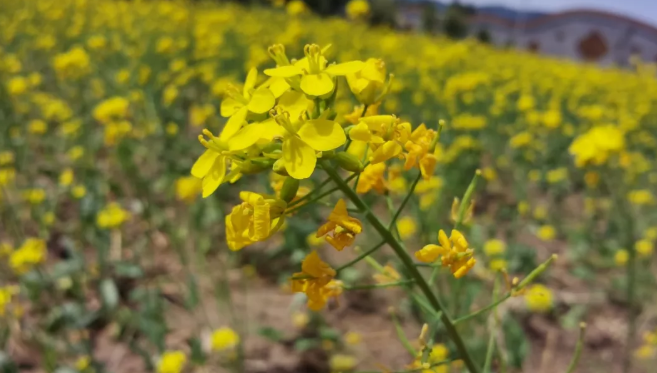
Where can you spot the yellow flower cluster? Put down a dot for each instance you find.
(453, 252)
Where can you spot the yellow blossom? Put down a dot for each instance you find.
(372, 177)
(341, 229)
(78, 191)
(641, 197)
(114, 108)
(407, 227)
(538, 298)
(596, 145)
(453, 252)
(187, 188)
(494, 247)
(546, 233)
(387, 275)
(254, 220)
(34, 196)
(224, 339)
(341, 363)
(112, 216)
(37, 127)
(66, 177)
(316, 281)
(353, 338)
(31, 253)
(357, 9)
(621, 257)
(171, 362)
(369, 84)
(644, 248)
(300, 319)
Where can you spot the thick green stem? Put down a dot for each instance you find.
(405, 201)
(408, 263)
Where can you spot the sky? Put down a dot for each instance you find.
(642, 10)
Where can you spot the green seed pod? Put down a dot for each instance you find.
(289, 189)
(279, 167)
(349, 162)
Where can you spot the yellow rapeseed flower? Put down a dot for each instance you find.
(224, 339)
(112, 216)
(187, 188)
(171, 362)
(546, 232)
(453, 252)
(316, 281)
(254, 220)
(341, 229)
(538, 298)
(31, 253)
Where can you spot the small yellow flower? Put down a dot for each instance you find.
(407, 227)
(353, 338)
(372, 177)
(171, 362)
(48, 218)
(369, 84)
(17, 86)
(523, 208)
(494, 247)
(171, 129)
(341, 363)
(645, 352)
(188, 188)
(6, 158)
(112, 109)
(75, 153)
(82, 363)
(546, 233)
(66, 177)
(621, 257)
(316, 281)
(78, 191)
(557, 175)
(343, 227)
(538, 298)
(224, 339)
(357, 9)
(34, 196)
(30, 254)
(112, 216)
(644, 248)
(37, 127)
(296, 7)
(591, 178)
(453, 251)
(641, 197)
(497, 264)
(300, 319)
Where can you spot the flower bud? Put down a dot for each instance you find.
(289, 189)
(349, 162)
(255, 166)
(279, 167)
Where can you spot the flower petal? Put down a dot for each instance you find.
(204, 163)
(253, 133)
(262, 101)
(250, 81)
(213, 179)
(284, 71)
(345, 68)
(230, 106)
(317, 84)
(295, 103)
(234, 124)
(277, 86)
(388, 150)
(300, 159)
(322, 134)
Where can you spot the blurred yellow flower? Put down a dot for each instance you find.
(407, 227)
(17, 85)
(644, 247)
(75, 153)
(641, 197)
(300, 319)
(538, 298)
(596, 145)
(353, 338)
(224, 339)
(546, 232)
(621, 257)
(171, 362)
(188, 188)
(31, 253)
(34, 196)
(357, 9)
(37, 127)
(494, 247)
(112, 216)
(296, 7)
(78, 191)
(66, 177)
(342, 362)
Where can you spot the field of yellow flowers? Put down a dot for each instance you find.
(203, 187)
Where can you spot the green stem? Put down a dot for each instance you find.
(578, 349)
(465, 201)
(408, 263)
(483, 310)
(401, 335)
(443, 362)
(377, 286)
(360, 257)
(317, 189)
(405, 201)
(491, 339)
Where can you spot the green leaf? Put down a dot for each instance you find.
(130, 270)
(270, 333)
(197, 355)
(109, 293)
(305, 344)
(192, 299)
